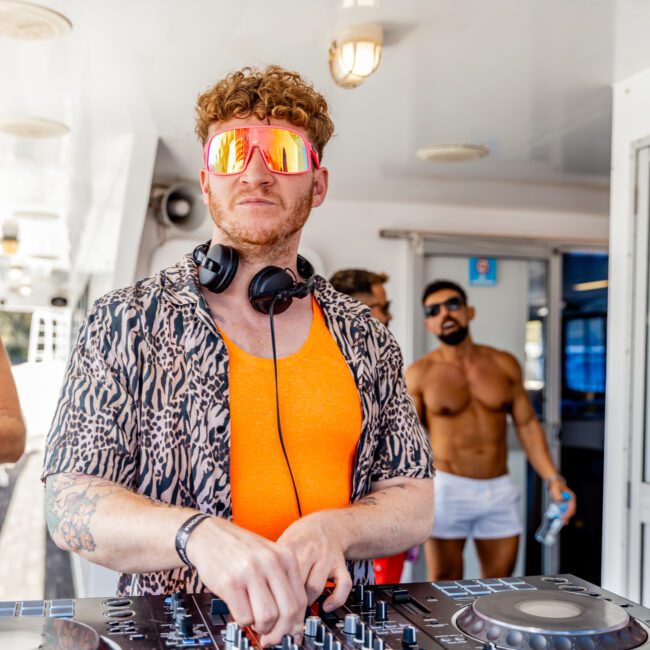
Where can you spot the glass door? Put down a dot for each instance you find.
(511, 315)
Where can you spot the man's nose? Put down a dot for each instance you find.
(256, 172)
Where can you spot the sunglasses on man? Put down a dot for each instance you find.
(451, 304)
(284, 151)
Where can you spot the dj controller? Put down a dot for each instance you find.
(541, 613)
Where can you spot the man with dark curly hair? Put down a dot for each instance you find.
(233, 424)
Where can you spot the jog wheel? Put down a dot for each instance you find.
(48, 634)
(549, 620)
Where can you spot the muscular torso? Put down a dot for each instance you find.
(465, 405)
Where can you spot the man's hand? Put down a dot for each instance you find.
(315, 543)
(555, 489)
(260, 581)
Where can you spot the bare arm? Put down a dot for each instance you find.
(412, 377)
(532, 436)
(395, 515)
(108, 524)
(12, 428)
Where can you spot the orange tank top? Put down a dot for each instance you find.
(320, 414)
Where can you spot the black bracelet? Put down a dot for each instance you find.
(184, 533)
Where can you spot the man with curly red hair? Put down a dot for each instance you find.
(213, 443)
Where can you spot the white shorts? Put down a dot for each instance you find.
(477, 508)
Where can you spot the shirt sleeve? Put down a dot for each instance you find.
(95, 429)
(403, 447)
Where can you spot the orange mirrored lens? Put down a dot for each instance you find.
(284, 151)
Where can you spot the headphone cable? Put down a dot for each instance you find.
(277, 406)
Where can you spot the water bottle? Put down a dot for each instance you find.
(552, 522)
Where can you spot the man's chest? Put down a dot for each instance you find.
(451, 389)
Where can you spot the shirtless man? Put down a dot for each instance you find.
(463, 393)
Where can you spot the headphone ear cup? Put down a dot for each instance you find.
(266, 285)
(217, 266)
(305, 268)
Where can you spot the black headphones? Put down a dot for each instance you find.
(270, 286)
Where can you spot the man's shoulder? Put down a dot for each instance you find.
(506, 360)
(169, 284)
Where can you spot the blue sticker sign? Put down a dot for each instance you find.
(482, 271)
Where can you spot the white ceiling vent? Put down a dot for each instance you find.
(452, 152)
(31, 22)
(32, 127)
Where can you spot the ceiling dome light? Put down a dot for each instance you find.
(452, 152)
(33, 127)
(31, 22)
(355, 53)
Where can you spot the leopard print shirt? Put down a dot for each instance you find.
(145, 403)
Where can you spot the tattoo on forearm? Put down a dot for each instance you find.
(70, 507)
(368, 500)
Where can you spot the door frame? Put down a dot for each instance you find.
(635, 543)
(423, 243)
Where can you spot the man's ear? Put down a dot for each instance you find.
(321, 183)
(204, 179)
(471, 312)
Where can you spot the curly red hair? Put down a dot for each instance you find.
(272, 92)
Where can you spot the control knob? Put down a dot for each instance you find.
(381, 611)
(231, 632)
(186, 625)
(350, 623)
(328, 643)
(360, 633)
(311, 626)
(409, 635)
(368, 601)
(287, 642)
(320, 635)
(378, 644)
(368, 639)
(359, 591)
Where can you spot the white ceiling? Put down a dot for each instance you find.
(528, 78)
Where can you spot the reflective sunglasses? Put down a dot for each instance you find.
(284, 151)
(452, 304)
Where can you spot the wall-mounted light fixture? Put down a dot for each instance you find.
(355, 53)
(9, 237)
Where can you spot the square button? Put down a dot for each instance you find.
(455, 592)
(32, 612)
(478, 590)
(61, 612)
